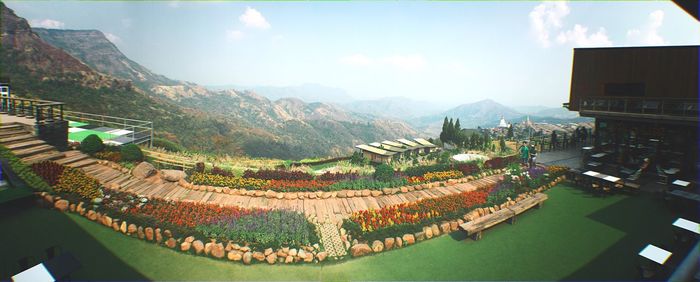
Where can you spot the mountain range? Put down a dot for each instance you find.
(89, 73)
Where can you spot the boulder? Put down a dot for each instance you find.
(149, 233)
(271, 258)
(359, 250)
(366, 193)
(71, 207)
(143, 170)
(436, 230)
(198, 246)
(139, 233)
(377, 246)
(267, 252)
(189, 239)
(106, 221)
(301, 253)
(234, 255)
(321, 256)
(167, 233)
(281, 253)
(376, 193)
(159, 236)
(289, 259)
(91, 215)
(292, 252)
(389, 243)
(270, 194)
(309, 257)
(427, 232)
(247, 257)
(258, 256)
(172, 175)
(115, 226)
(342, 194)
(398, 242)
(454, 226)
(123, 227)
(185, 246)
(207, 248)
(244, 249)
(171, 243)
(61, 205)
(217, 250)
(408, 239)
(131, 229)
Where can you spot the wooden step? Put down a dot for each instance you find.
(8, 133)
(83, 163)
(10, 126)
(16, 139)
(72, 153)
(25, 144)
(25, 152)
(46, 156)
(72, 158)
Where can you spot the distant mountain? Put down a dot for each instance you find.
(560, 113)
(236, 122)
(528, 110)
(308, 92)
(484, 113)
(393, 107)
(92, 48)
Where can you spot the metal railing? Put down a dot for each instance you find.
(141, 130)
(43, 111)
(652, 106)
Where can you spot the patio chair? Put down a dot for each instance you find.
(663, 177)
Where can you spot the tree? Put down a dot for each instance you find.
(458, 128)
(509, 134)
(131, 153)
(451, 131)
(443, 133)
(502, 144)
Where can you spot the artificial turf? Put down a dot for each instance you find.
(80, 135)
(575, 236)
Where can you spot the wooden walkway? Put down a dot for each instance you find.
(331, 210)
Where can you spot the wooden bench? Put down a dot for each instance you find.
(475, 227)
(536, 200)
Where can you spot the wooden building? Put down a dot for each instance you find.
(386, 151)
(644, 101)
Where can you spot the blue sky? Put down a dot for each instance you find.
(517, 53)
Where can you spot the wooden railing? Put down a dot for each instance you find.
(168, 159)
(43, 111)
(654, 106)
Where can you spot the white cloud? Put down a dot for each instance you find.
(113, 38)
(174, 4)
(233, 35)
(649, 33)
(579, 36)
(47, 23)
(356, 60)
(253, 18)
(409, 63)
(547, 18)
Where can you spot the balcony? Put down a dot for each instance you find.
(653, 108)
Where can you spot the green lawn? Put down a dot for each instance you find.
(80, 135)
(575, 236)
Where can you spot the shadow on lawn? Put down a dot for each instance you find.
(28, 231)
(645, 220)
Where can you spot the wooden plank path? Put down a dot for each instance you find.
(325, 210)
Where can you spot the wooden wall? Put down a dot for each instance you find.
(667, 72)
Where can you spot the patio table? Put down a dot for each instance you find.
(655, 254)
(687, 225)
(681, 183)
(37, 273)
(51, 270)
(599, 155)
(686, 195)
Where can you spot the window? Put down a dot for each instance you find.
(624, 89)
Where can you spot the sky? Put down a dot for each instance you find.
(516, 53)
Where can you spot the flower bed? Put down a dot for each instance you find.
(296, 185)
(277, 175)
(49, 171)
(442, 175)
(232, 182)
(75, 181)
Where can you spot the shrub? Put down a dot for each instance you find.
(92, 144)
(277, 174)
(167, 145)
(24, 171)
(338, 176)
(421, 170)
(110, 156)
(220, 171)
(263, 229)
(131, 153)
(199, 167)
(357, 158)
(49, 171)
(75, 181)
(383, 172)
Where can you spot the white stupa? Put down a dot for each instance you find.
(503, 123)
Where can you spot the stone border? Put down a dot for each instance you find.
(357, 249)
(336, 194)
(214, 249)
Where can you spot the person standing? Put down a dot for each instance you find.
(533, 155)
(524, 153)
(553, 141)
